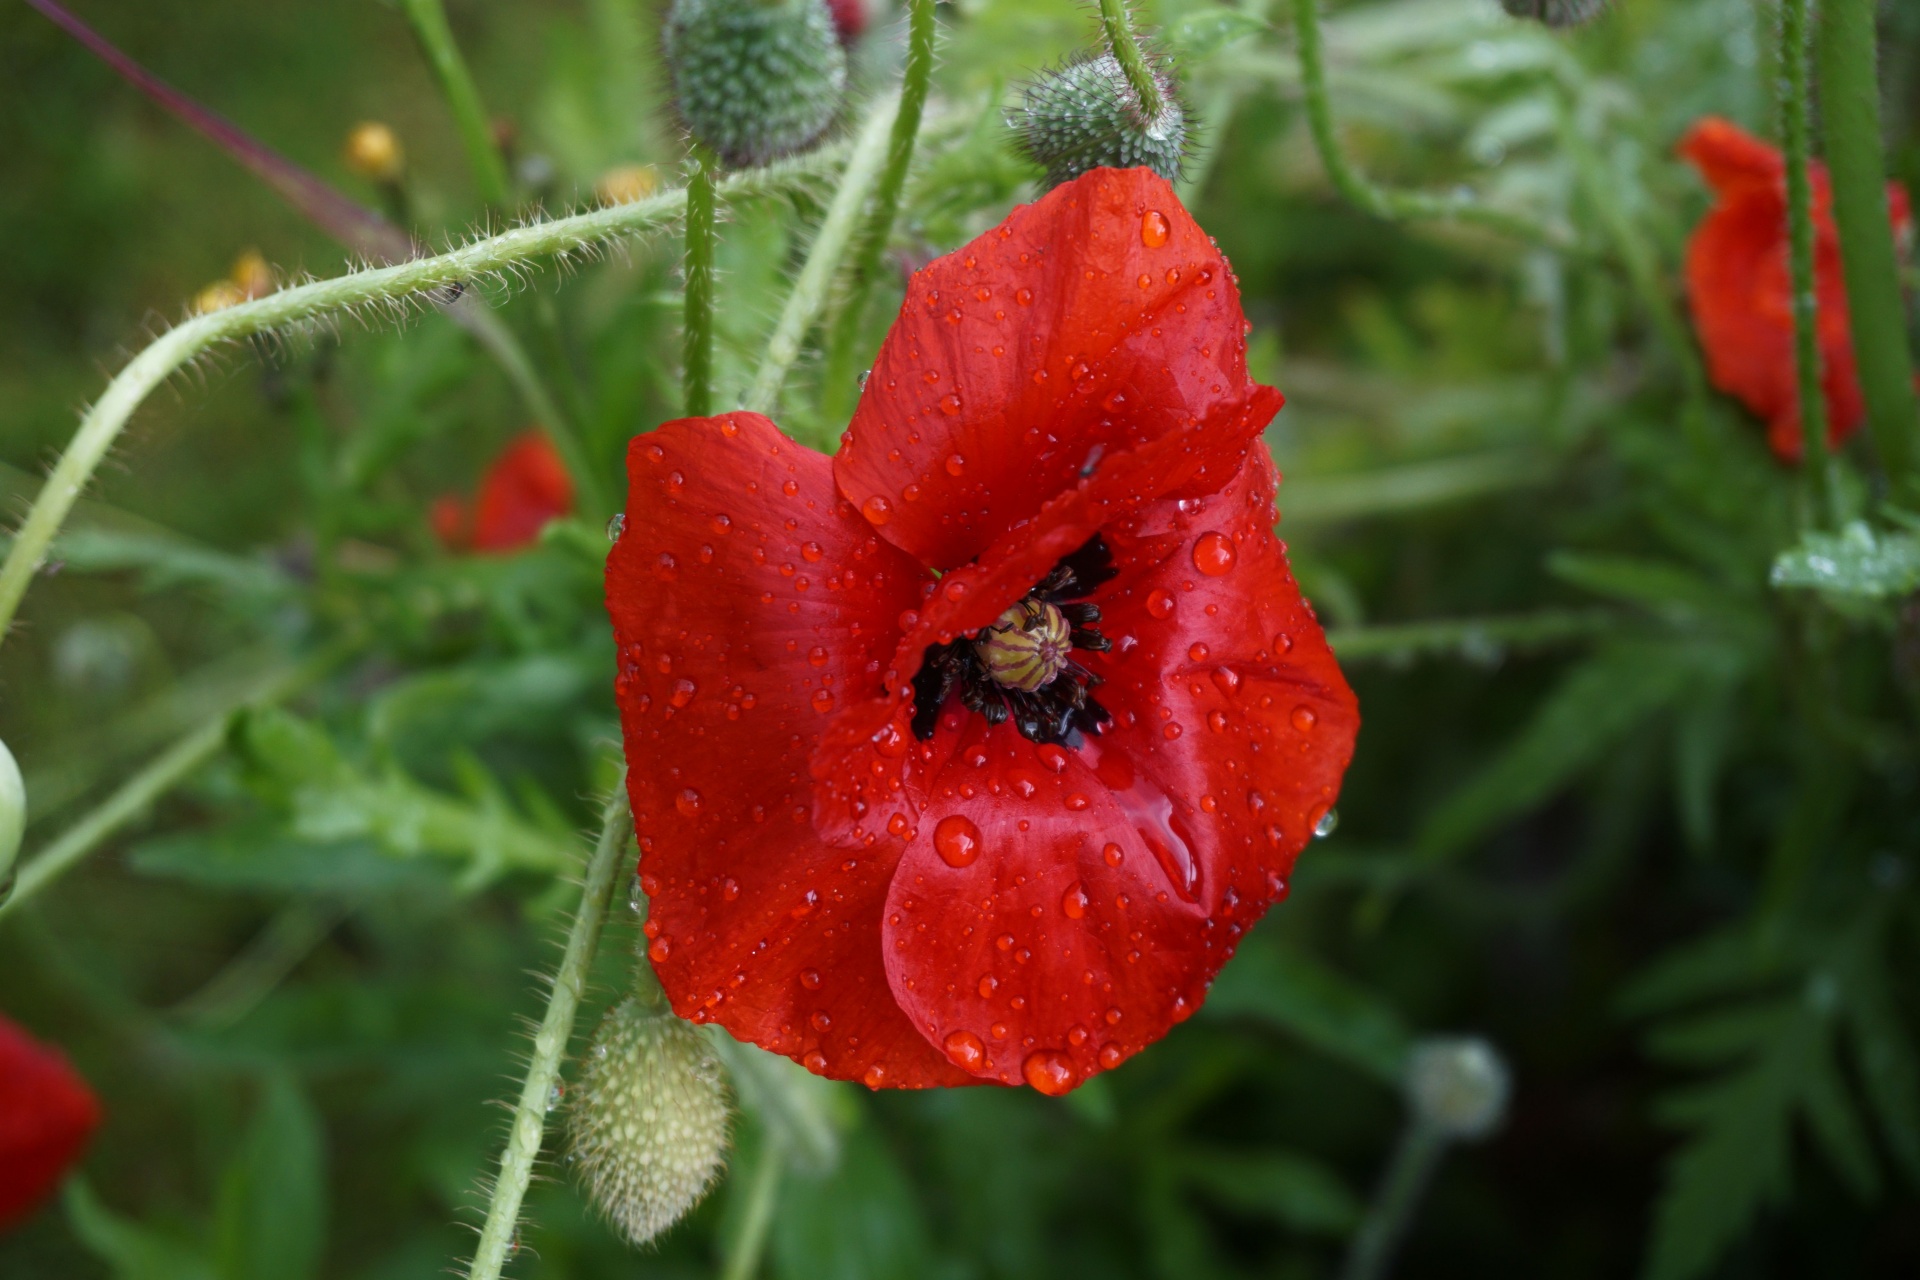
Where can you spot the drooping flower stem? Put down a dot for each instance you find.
(696, 374)
(550, 1041)
(438, 277)
(1357, 189)
(845, 332)
(763, 1196)
(429, 22)
(166, 771)
(1796, 135)
(1126, 51)
(1850, 117)
(1415, 1157)
(830, 246)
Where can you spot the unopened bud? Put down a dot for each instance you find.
(218, 296)
(755, 80)
(252, 274)
(1556, 13)
(1458, 1085)
(13, 817)
(650, 1118)
(1085, 115)
(626, 184)
(373, 151)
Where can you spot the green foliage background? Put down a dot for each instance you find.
(1640, 816)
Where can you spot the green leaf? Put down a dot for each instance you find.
(1669, 589)
(134, 1251)
(862, 1222)
(1854, 562)
(1710, 965)
(165, 562)
(1604, 700)
(805, 1112)
(1209, 28)
(1836, 1125)
(1889, 1067)
(270, 1220)
(263, 856)
(1303, 997)
(1294, 1190)
(1720, 1035)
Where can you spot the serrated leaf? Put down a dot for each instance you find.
(1302, 996)
(1703, 732)
(1710, 965)
(1721, 1035)
(270, 1220)
(1855, 562)
(1293, 1189)
(1836, 1125)
(133, 1250)
(1605, 698)
(1665, 587)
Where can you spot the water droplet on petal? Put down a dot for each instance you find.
(687, 802)
(1049, 1071)
(1303, 718)
(1325, 824)
(1160, 603)
(1214, 554)
(683, 691)
(957, 840)
(877, 510)
(966, 1050)
(1074, 902)
(1154, 229)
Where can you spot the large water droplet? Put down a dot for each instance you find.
(877, 510)
(1326, 824)
(966, 1050)
(1154, 229)
(1214, 554)
(688, 803)
(957, 840)
(1074, 902)
(1050, 1071)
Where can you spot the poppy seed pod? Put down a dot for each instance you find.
(1085, 115)
(755, 80)
(649, 1120)
(1556, 13)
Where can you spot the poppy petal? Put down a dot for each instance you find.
(748, 600)
(47, 1113)
(524, 489)
(1096, 319)
(1060, 908)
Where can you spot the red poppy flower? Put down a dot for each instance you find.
(969, 753)
(849, 18)
(526, 487)
(46, 1115)
(1740, 284)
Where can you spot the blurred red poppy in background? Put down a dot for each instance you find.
(971, 752)
(47, 1114)
(849, 18)
(526, 487)
(1740, 285)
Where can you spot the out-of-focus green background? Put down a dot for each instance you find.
(1657, 849)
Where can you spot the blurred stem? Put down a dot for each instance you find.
(844, 334)
(829, 248)
(1392, 206)
(1470, 637)
(1396, 1204)
(167, 770)
(251, 976)
(429, 23)
(550, 1041)
(697, 316)
(437, 275)
(763, 1196)
(1642, 263)
(1126, 51)
(1795, 131)
(1850, 117)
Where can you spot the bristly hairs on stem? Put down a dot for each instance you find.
(1796, 133)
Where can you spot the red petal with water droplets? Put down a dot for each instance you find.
(1094, 320)
(1101, 888)
(47, 1114)
(1740, 286)
(865, 776)
(526, 487)
(748, 600)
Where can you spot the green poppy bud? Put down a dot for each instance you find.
(755, 80)
(649, 1119)
(1458, 1086)
(1556, 13)
(1085, 115)
(13, 817)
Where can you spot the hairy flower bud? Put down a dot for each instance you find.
(373, 151)
(13, 817)
(1085, 115)
(649, 1120)
(1458, 1085)
(755, 80)
(1556, 13)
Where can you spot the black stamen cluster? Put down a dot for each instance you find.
(1060, 710)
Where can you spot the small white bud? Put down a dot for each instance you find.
(650, 1114)
(1458, 1085)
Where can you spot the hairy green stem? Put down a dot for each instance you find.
(1850, 119)
(167, 770)
(429, 22)
(1118, 25)
(845, 333)
(442, 276)
(823, 261)
(551, 1040)
(1393, 206)
(763, 1196)
(696, 372)
(1395, 1206)
(1795, 133)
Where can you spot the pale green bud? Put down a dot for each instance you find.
(1458, 1085)
(13, 817)
(1085, 115)
(755, 80)
(650, 1114)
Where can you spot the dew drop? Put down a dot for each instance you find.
(957, 840)
(876, 1075)
(1160, 603)
(823, 700)
(1326, 823)
(877, 510)
(965, 1050)
(955, 464)
(950, 405)
(1074, 902)
(616, 526)
(810, 979)
(1154, 229)
(1049, 1071)
(1303, 718)
(1024, 297)
(1214, 554)
(683, 691)
(1110, 1056)
(688, 803)
(1114, 855)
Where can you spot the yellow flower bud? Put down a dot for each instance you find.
(218, 296)
(650, 1116)
(373, 151)
(252, 274)
(626, 184)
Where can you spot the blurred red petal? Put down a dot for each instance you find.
(47, 1113)
(525, 488)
